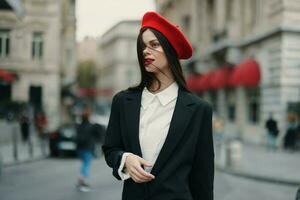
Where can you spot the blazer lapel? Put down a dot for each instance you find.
(132, 118)
(182, 114)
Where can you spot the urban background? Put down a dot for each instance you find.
(246, 64)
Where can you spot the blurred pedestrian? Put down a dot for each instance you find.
(85, 138)
(219, 138)
(272, 132)
(24, 125)
(41, 123)
(291, 133)
(218, 127)
(159, 136)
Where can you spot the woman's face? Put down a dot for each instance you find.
(155, 59)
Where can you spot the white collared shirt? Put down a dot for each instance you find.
(155, 118)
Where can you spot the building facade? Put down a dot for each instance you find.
(40, 49)
(118, 64)
(256, 40)
(87, 49)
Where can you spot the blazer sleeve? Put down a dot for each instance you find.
(113, 145)
(202, 174)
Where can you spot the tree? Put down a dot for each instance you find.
(87, 74)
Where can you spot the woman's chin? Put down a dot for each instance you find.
(149, 68)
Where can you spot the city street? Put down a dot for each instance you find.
(199, 73)
(55, 179)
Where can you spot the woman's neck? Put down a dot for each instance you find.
(164, 84)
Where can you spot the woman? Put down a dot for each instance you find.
(159, 136)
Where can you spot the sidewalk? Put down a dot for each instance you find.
(258, 163)
(23, 153)
(13, 150)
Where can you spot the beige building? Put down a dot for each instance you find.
(119, 67)
(236, 34)
(40, 48)
(87, 49)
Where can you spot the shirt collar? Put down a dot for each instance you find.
(165, 96)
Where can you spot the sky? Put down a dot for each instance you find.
(95, 17)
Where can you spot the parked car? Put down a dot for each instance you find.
(63, 141)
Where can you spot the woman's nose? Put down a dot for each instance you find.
(146, 50)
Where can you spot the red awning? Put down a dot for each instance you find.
(199, 84)
(194, 83)
(205, 82)
(245, 74)
(221, 77)
(191, 82)
(7, 76)
(90, 92)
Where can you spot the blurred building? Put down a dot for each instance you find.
(119, 67)
(38, 46)
(246, 61)
(87, 49)
(88, 75)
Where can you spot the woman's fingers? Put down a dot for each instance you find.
(145, 162)
(134, 165)
(138, 177)
(143, 173)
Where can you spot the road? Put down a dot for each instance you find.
(54, 179)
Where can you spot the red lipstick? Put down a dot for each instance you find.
(148, 61)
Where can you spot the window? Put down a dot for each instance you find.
(210, 6)
(213, 96)
(211, 14)
(231, 112)
(36, 96)
(4, 43)
(72, 7)
(231, 104)
(229, 10)
(6, 94)
(253, 105)
(37, 45)
(253, 13)
(253, 112)
(256, 11)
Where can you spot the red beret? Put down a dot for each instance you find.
(180, 43)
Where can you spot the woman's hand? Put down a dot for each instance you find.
(133, 164)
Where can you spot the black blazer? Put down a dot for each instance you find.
(184, 169)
